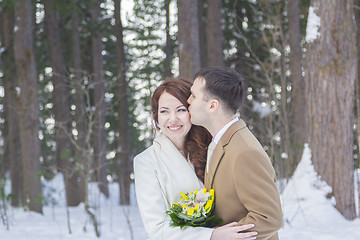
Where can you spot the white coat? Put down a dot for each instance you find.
(161, 173)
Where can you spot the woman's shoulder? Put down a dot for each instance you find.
(148, 152)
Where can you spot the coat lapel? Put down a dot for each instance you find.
(219, 152)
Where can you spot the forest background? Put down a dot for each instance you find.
(76, 77)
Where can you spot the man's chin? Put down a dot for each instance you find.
(195, 123)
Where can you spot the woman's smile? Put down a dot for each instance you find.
(173, 119)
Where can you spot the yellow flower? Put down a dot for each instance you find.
(196, 191)
(212, 192)
(184, 196)
(196, 207)
(176, 204)
(208, 205)
(204, 190)
(184, 206)
(190, 211)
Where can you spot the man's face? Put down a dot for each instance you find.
(198, 103)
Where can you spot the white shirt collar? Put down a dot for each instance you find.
(217, 137)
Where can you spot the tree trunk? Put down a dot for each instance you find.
(80, 149)
(284, 114)
(7, 34)
(61, 106)
(241, 59)
(124, 138)
(357, 80)
(202, 33)
(214, 34)
(99, 101)
(189, 50)
(168, 46)
(330, 75)
(297, 108)
(28, 105)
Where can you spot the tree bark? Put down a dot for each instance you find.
(202, 33)
(241, 59)
(80, 150)
(62, 113)
(10, 83)
(330, 74)
(214, 34)
(99, 101)
(28, 105)
(357, 80)
(283, 111)
(124, 138)
(189, 50)
(297, 107)
(168, 46)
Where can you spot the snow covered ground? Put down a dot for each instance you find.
(116, 223)
(308, 214)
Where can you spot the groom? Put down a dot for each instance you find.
(238, 168)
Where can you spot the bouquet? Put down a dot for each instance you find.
(194, 209)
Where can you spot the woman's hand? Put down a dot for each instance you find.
(233, 231)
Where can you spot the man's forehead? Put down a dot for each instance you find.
(199, 82)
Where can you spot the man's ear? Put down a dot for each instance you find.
(214, 105)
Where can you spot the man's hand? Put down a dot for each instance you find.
(232, 231)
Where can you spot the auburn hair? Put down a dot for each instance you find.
(198, 138)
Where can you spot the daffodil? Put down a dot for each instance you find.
(212, 192)
(184, 196)
(190, 211)
(196, 207)
(176, 204)
(208, 205)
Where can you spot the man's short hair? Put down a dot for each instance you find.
(225, 84)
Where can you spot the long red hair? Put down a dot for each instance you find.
(198, 138)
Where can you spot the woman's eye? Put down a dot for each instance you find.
(182, 110)
(163, 111)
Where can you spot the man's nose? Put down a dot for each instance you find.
(189, 100)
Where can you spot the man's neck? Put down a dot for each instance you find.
(218, 123)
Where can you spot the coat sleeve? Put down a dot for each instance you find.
(153, 205)
(256, 188)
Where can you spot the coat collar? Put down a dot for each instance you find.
(219, 151)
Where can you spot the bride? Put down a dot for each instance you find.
(175, 163)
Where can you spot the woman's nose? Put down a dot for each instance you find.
(173, 117)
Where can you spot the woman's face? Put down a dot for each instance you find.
(174, 119)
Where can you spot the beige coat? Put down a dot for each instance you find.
(244, 181)
(161, 173)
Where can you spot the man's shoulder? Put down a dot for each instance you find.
(237, 132)
(241, 138)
